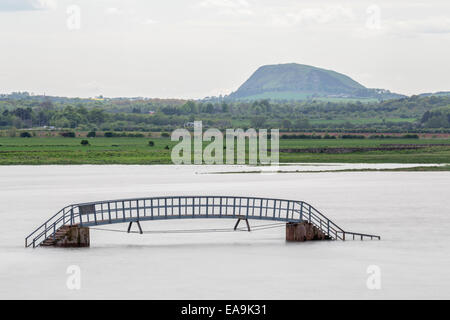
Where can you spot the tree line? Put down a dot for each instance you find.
(399, 115)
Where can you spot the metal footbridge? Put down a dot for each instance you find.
(188, 207)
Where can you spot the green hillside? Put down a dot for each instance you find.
(301, 82)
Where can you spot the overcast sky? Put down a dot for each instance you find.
(197, 48)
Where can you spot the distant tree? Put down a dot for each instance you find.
(437, 121)
(410, 136)
(209, 108)
(61, 122)
(17, 122)
(286, 124)
(225, 107)
(47, 105)
(68, 134)
(302, 123)
(23, 113)
(169, 110)
(12, 132)
(25, 134)
(258, 122)
(189, 107)
(97, 116)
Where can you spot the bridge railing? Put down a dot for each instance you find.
(325, 224)
(358, 236)
(179, 207)
(48, 228)
(186, 207)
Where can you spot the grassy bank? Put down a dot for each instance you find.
(59, 150)
(411, 169)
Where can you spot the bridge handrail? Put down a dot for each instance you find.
(324, 217)
(362, 235)
(47, 225)
(322, 222)
(182, 196)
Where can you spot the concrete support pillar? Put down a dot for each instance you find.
(303, 231)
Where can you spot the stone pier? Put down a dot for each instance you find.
(69, 237)
(303, 231)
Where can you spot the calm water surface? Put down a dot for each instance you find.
(410, 210)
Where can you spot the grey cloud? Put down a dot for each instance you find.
(432, 25)
(26, 5)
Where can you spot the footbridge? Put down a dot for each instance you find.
(293, 213)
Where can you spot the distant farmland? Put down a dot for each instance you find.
(59, 150)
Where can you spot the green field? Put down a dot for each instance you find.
(58, 150)
(361, 121)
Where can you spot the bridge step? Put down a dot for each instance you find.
(68, 236)
(304, 231)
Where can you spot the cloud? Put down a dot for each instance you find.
(129, 15)
(218, 91)
(225, 3)
(93, 88)
(113, 11)
(229, 7)
(407, 28)
(426, 26)
(149, 21)
(27, 5)
(317, 15)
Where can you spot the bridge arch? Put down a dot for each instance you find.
(187, 207)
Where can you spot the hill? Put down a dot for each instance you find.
(435, 94)
(302, 82)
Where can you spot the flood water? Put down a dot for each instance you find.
(409, 210)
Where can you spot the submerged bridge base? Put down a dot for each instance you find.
(79, 237)
(304, 231)
(69, 237)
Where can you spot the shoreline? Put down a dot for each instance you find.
(411, 169)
